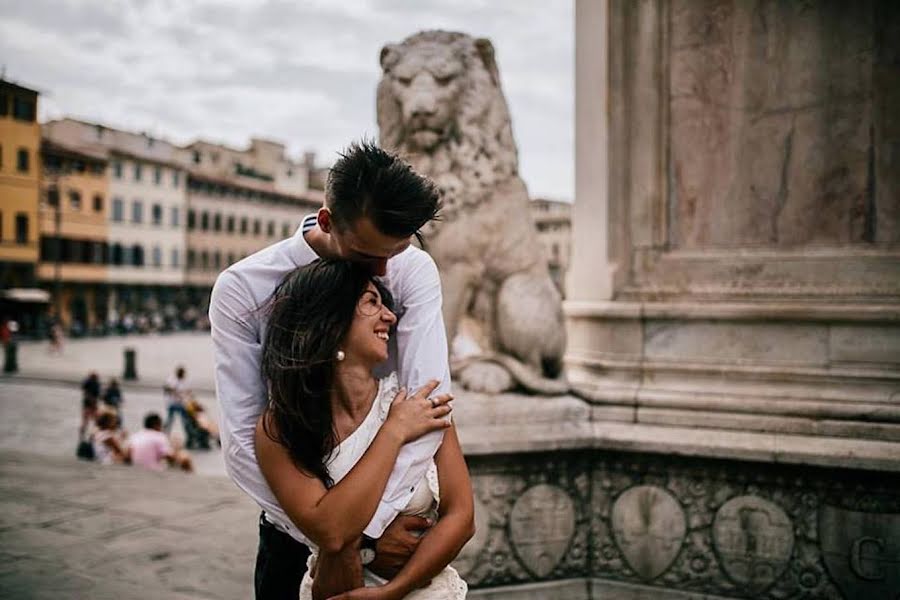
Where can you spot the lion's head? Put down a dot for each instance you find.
(440, 106)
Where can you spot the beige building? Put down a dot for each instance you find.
(553, 221)
(230, 218)
(263, 162)
(146, 216)
(73, 229)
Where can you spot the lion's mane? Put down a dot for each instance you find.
(480, 151)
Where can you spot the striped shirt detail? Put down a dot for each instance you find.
(309, 221)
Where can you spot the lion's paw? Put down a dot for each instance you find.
(486, 378)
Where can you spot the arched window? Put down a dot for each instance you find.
(117, 257)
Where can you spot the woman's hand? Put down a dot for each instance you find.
(412, 417)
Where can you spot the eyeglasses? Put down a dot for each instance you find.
(369, 304)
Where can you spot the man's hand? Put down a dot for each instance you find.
(397, 544)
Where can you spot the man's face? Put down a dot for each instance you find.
(362, 243)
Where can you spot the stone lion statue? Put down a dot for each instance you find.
(440, 106)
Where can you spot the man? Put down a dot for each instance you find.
(151, 448)
(374, 205)
(176, 389)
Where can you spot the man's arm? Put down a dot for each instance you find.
(239, 385)
(422, 356)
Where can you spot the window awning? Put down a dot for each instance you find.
(33, 295)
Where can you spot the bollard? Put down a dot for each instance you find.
(11, 362)
(130, 365)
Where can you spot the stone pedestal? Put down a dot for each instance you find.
(572, 506)
(733, 303)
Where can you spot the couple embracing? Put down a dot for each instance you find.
(334, 389)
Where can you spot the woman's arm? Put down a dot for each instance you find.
(330, 518)
(454, 528)
(119, 453)
(335, 517)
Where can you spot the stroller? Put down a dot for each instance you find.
(200, 428)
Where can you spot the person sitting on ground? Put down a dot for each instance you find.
(150, 448)
(112, 398)
(108, 446)
(197, 412)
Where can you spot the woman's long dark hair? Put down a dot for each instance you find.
(310, 313)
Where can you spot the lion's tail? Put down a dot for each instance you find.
(524, 375)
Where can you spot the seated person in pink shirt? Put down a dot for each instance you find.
(150, 448)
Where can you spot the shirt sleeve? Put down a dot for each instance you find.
(422, 356)
(239, 386)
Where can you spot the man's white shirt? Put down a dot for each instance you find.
(418, 352)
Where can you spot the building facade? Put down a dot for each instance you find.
(231, 218)
(74, 245)
(263, 161)
(146, 216)
(553, 221)
(124, 230)
(20, 141)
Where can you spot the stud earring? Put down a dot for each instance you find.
(339, 355)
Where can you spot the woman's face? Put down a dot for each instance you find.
(367, 339)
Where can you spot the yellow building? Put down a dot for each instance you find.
(20, 139)
(74, 251)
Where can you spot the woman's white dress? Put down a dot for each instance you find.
(447, 585)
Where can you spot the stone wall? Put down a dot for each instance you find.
(773, 109)
(569, 514)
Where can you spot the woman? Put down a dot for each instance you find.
(331, 432)
(108, 446)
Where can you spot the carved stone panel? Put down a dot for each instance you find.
(754, 539)
(861, 551)
(649, 527)
(541, 526)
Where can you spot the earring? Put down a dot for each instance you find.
(339, 355)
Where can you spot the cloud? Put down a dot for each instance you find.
(301, 72)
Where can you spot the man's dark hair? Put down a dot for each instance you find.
(368, 181)
(152, 421)
(310, 313)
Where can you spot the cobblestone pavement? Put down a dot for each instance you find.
(71, 530)
(157, 357)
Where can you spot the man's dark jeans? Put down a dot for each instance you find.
(280, 564)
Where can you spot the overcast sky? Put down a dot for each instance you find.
(302, 72)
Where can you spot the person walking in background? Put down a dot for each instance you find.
(176, 391)
(151, 449)
(5, 332)
(56, 338)
(112, 398)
